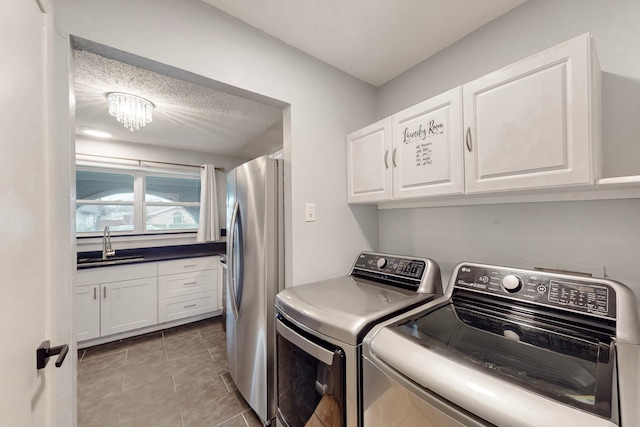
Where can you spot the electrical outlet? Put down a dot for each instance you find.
(310, 212)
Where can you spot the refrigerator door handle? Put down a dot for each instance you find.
(232, 260)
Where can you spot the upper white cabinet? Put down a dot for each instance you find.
(531, 125)
(427, 147)
(535, 123)
(369, 163)
(414, 153)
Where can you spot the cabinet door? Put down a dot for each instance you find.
(531, 124)
(86, 312)
(128, 305)
(427, 147)
(369, 163)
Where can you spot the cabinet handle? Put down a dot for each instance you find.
(95, 293)
(104, 293)
(393, 158)
(189, 283)
(189, 265)
(386, 156)
(469, 138)
(190, 305)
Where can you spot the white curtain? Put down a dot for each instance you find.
(209, 229)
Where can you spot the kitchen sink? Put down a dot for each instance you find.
(109, 261)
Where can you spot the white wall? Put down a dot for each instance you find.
(544, 234)
(325, 104)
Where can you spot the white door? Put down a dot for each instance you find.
(28, 260)
(535, 123)
(427, 147)
(369, 163)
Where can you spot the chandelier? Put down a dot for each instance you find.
(130, 110)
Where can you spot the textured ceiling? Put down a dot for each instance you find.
(373, 40)
(186, 115)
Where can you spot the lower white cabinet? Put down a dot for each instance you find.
(116, 299)
(87, 312)
(187, 287)
(187, 305)
(127, 305)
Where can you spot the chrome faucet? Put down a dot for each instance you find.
(107, 251)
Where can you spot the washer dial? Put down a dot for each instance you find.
(511, 283)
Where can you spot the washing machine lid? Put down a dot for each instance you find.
(571, 366)
(472, 388)
(345, 308)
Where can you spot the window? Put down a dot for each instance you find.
(167, 198)
(136, 202)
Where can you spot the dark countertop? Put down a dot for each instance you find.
(152, 254)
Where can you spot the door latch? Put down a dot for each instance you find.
(45, 351)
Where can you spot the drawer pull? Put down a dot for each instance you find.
(190, 265)
(190, 305)
(189, 283)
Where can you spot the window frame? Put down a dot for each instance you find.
(139, 203)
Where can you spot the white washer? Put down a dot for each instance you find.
(508, 347)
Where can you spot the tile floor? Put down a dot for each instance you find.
(174, 378)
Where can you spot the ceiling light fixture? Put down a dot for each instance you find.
(95, 132)
(130, 110)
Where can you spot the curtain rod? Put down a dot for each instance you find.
(145, 161)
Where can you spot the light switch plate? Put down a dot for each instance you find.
(310, 212)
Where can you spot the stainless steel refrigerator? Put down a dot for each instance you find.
(255, 275)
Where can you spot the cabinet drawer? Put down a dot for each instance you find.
(186, 265)
(116, 273)
(187, 305)
(174, 285)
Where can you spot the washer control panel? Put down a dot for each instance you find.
(562, 291)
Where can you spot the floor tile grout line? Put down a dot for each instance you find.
(202, 339)
(123, 378)
(244, 418)
(83, 353)
(209, 350)
(181, 420)
(106, 354)
(229, 419)
(118, 424)
(173, 378)
(126, 355)
(225, 383)
(166, 354)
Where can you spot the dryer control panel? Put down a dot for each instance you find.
(419, 274)
(566, 292)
